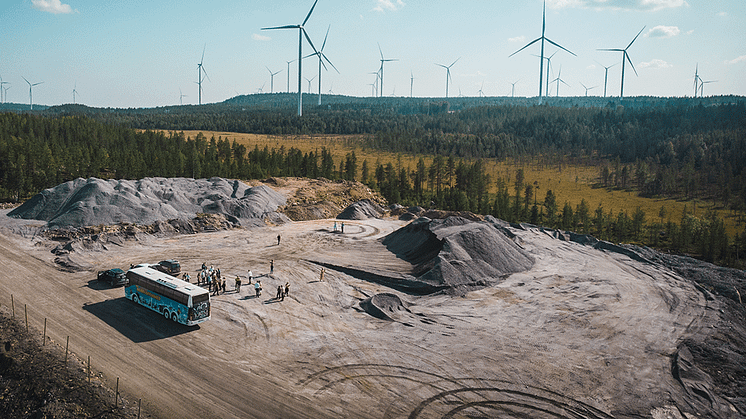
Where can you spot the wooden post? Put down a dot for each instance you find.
(67, 344)
(25, 311)
(139, 402)
(44, 336)
(89, 369)
(13, 306)
(116, 395)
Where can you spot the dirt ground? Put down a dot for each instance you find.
(584, 333)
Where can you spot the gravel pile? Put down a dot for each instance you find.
(361, 210)
(90, 202)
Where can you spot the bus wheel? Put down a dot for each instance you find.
(134, 298)
(173, 316)
(165, 313)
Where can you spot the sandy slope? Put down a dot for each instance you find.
(584, 333)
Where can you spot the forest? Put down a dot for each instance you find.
(679, 151)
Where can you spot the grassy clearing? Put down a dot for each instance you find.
(570, 183)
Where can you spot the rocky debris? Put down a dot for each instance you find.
(362, 210)
(88, 202)
(315, 199)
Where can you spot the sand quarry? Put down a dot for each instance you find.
(425, 319)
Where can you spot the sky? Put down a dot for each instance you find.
(133, 53)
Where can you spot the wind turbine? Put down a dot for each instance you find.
(272, 79)
(30, 95)
(378, 77)
(291, 61)
(481, 93)
(200, 71)
(372, 89)
(75, 92)
(322, 57)
(606, 74)
(512, 93)
(383, 60)
(182, 96)
(2, 89)
(5, 90)
(697, 79)
(301, 33)
(309, 82)
(559, 79)
(542, 39)
(625, 56)
(549, 67)
(587, 88)
(448, 72)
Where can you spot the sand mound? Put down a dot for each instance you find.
(384, 306)
(82, 202)
(361, 210)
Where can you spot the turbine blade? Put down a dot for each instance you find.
(325, 36)
(633, 41)
(379, 50)
(610, 49)
(527, 45)
(282, 27)
(559, 46)
(308, 38)
(630, 62)
(203, 55)
(309, 13)
(330, 63)
(454, 62)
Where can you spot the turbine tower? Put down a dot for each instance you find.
(625, 56)
(448, 72)
(301, 33)
(481, 93)
(309, 83)
(702, 85)
(411, 83)
(272, 79)
(75, 92)
(200, 71)
(322, 57)
(606, 74)
(5, 90)
(697, 79)
(542, 39)
(383, 60)
(30, 94)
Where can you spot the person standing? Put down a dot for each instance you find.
(271, 266)
(321, 275)
(258, 288)
(238, 283)
(222, 285)
(278, 239)
(251, 276)
(280, 295)
(287, 290)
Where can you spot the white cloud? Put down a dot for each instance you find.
(723, 14)
(51, 6)
(517, 39)
(661, 31)
(258, 37)
(647, 5)
(390, 5)
(740, 59)
(689, 32)
(656, 63)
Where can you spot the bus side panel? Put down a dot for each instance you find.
(158, 304)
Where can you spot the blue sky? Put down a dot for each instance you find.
(141, 53)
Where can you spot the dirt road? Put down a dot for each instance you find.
(584, 333)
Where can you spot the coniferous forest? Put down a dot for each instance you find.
(683, 152)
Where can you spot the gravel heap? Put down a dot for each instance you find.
(362, 210)
(456, 254)
(90, 202)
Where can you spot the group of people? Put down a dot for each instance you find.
(214, 281)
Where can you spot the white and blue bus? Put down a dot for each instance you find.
(178, 300)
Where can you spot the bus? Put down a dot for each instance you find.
(177, 300)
